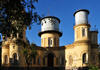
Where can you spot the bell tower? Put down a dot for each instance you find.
(81, 27)
(50, 32)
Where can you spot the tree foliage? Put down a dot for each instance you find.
(93, 67)
(29, 52)
(13, 15)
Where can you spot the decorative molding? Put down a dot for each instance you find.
(83, 24)
(94, 46)
(51, 53)
(85, 51)
(62, 55)
(83, 41)
(69, 55)
(75, 54)
(93, 31)
(5, 47)
(14, 52)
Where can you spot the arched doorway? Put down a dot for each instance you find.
(50, 60)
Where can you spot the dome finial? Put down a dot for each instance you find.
(95, 26)
(48, 11)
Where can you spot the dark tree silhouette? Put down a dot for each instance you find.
(13, 15)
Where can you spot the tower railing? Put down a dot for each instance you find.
(50, 29)
(93, 29)
(87, 23)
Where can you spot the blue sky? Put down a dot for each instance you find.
(64, 10)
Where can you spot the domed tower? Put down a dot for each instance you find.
(82, 36)
(81, 25)
(50, 32)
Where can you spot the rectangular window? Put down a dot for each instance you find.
(50, 42)
(83, 32)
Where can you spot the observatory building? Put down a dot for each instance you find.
(82, 52)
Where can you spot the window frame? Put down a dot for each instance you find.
(17, 58)
(70, 60)
(85, 58)
(83, 31)
(50, 42)
(6, 59)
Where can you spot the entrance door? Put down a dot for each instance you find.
(50, 60)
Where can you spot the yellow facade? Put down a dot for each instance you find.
(83, 51)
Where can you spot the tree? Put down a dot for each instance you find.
(93, 67)
(13, 16)
(29, 52)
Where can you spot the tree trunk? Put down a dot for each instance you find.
(27, 64)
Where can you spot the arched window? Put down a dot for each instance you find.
(15, 58)
(70, 60)
(6, 59)
(85, 58)
(61, 60)
(83, 32)
(39, 61)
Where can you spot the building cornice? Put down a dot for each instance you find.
(93, 31)
(83, 24)
(82, 41)
(49, 48)
(94, 46)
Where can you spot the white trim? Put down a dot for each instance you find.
(86, 58)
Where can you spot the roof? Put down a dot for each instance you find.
(51, 17)
(81, 10)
